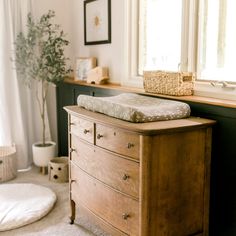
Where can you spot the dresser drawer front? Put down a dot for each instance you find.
(114, 207)
(82, 128)
(112, 169)
(118, 141)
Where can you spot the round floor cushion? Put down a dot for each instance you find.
(21, 204)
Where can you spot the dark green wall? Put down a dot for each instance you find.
(223, 170)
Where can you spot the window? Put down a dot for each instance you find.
(160, 37)
(198, 35)
(217, 40)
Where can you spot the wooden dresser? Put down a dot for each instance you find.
(147, 179)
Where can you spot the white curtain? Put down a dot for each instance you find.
(19, 122)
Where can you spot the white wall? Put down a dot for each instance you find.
(63, 17)
(108, 55)
(69, 14)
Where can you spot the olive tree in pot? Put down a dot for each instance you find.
(39, 58)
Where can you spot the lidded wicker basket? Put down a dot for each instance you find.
(169, 83)
(8, 168)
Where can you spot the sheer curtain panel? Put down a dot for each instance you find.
(19, 122)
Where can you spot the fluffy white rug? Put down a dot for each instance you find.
(56, 223)
(22, 204)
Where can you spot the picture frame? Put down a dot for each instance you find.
(97, 22)
(82, 66)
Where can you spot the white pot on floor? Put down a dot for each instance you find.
(43, 154)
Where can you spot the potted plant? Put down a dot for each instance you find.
(39, 58)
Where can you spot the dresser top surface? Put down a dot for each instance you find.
(143, 128)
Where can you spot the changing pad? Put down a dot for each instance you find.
(135, 108)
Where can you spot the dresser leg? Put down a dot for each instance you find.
(72, 209)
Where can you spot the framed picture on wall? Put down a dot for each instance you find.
(97, 22)
(82, 66)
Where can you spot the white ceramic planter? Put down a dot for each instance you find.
(42, 155)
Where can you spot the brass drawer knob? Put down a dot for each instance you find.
(130, 145)
(125, 177)
(125, 216)
(86, 131)
(99, 136)
(72, 150)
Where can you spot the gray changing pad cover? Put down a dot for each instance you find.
(135, 108)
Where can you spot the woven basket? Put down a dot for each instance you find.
(169, 83)
(7, 163)
(58, 169)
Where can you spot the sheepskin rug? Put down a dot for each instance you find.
(24, 203)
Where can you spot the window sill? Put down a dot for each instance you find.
(194, 98)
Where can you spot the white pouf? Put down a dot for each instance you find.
(22, 204)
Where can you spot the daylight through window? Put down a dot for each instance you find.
(200, 35)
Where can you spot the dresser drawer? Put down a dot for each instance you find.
(117, 140)
(117, 209)
(112, 169)
(82, 128)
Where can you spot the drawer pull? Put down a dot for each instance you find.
(72, 181)
(125, 216)
(72, 123)
(130, 145)
(99, 136)
(125, 177)
(86, 131)
(72, 150)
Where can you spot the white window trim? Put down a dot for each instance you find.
(205, 89)
(130, 78)
(130, 59)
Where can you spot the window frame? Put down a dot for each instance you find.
(189, 56)
(131, 45)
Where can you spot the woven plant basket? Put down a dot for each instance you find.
(169, 83)
(7, 163)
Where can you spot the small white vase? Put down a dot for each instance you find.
(42, 155)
